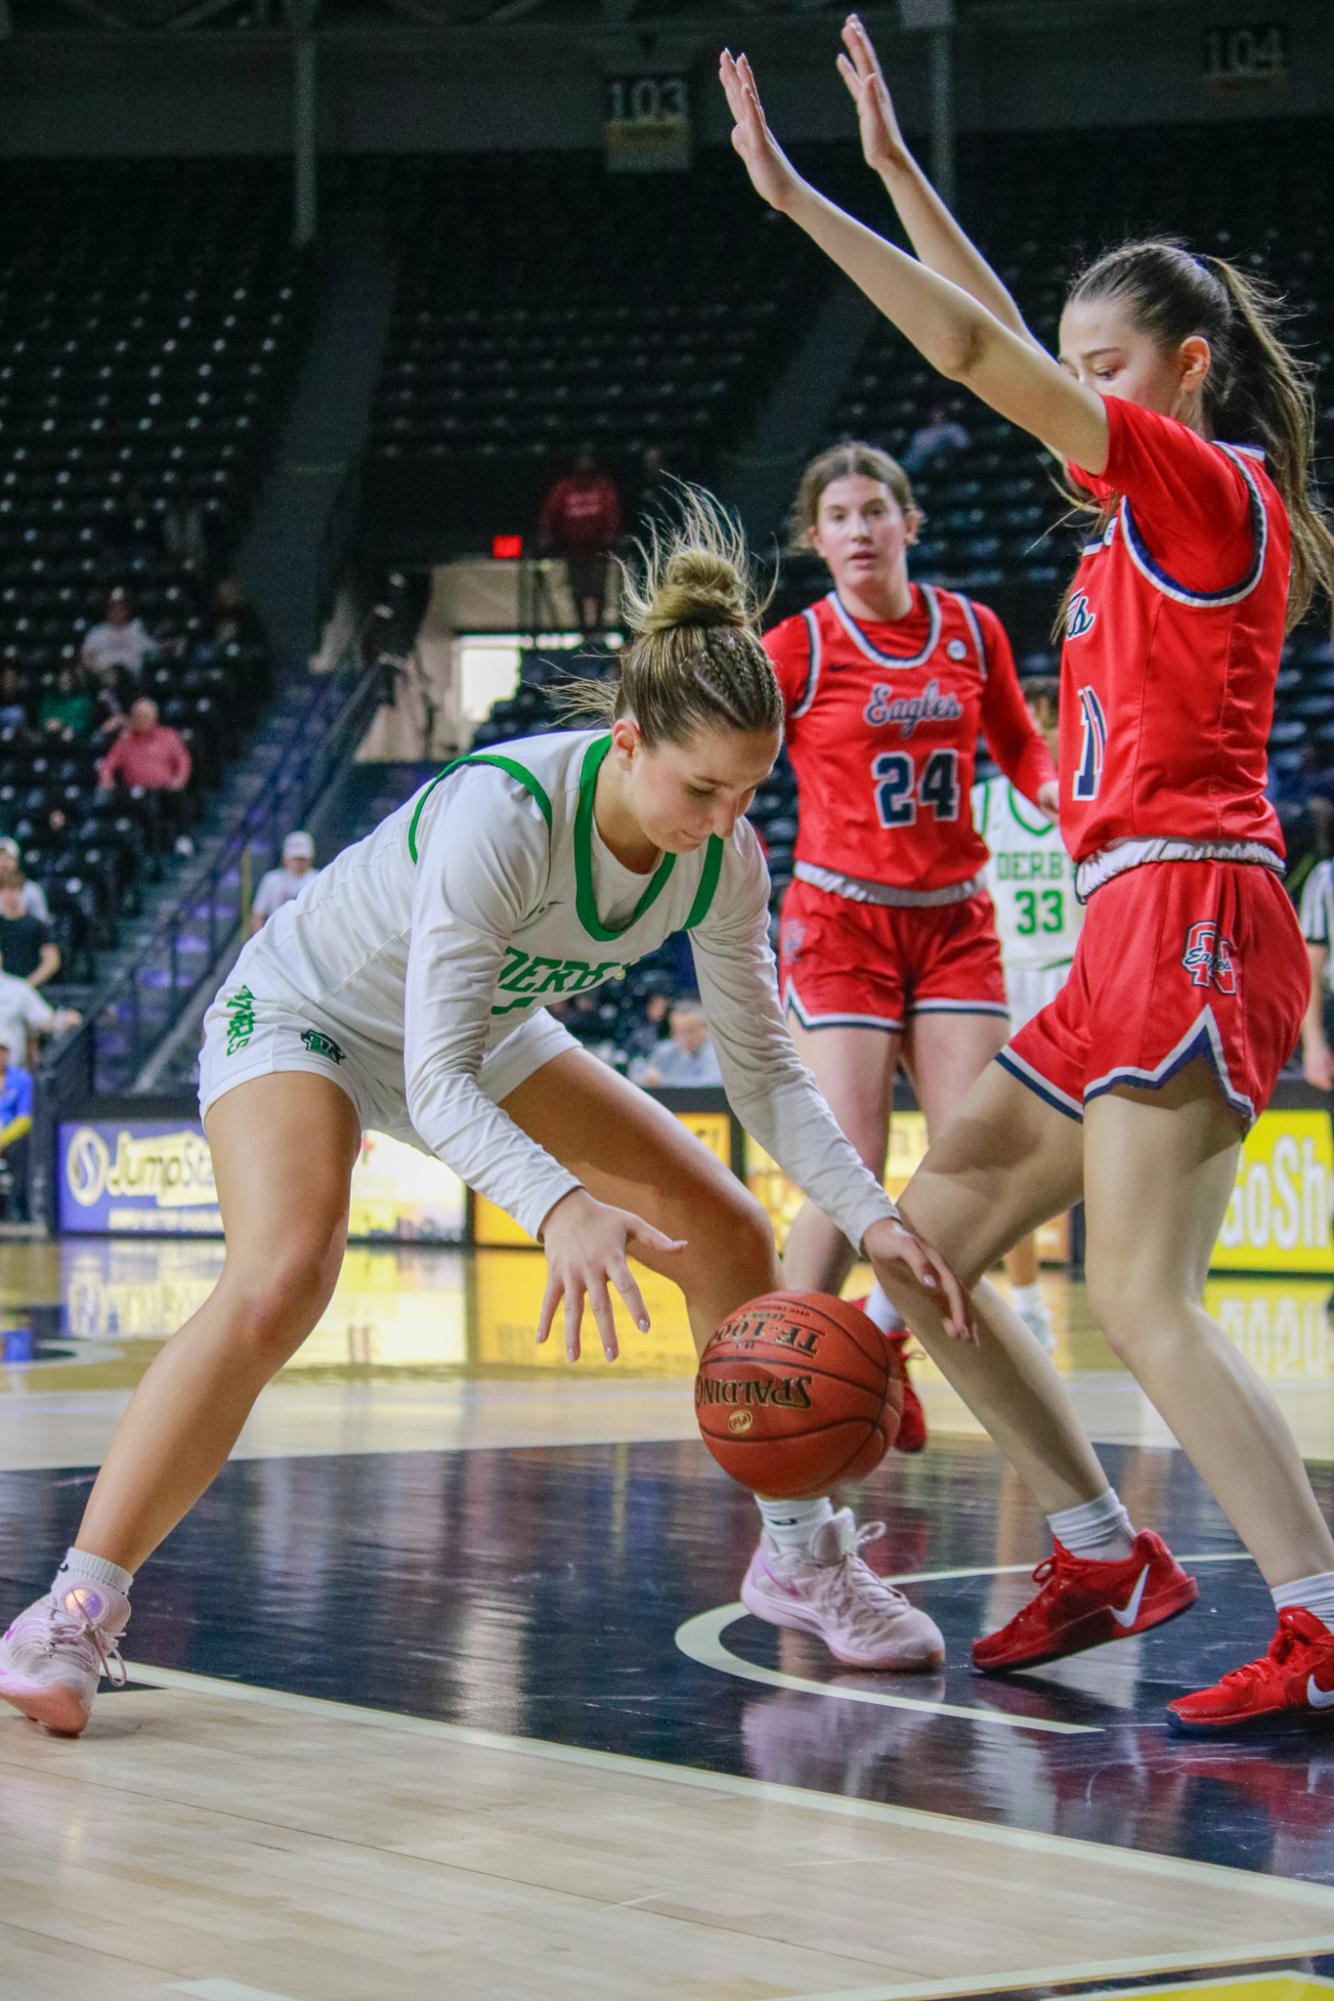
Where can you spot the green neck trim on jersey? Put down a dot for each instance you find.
(585, 901)
(708, 882)
(1044, 826)
(518, 772)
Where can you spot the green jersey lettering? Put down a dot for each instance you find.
(528, 975)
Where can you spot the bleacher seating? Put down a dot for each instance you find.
(151, 317)
(543, 303)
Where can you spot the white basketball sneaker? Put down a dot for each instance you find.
(828, 1589)
(1038, 1322)
(55, 1654)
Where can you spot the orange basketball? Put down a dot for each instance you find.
(796, 1392)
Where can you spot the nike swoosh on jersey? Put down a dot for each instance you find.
(1127, 1614)
(1318, 1697)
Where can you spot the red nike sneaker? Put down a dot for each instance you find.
(911, 1434)
(1289, 1688)
(1084, 1604)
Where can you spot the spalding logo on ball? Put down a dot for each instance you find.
(796, 1392)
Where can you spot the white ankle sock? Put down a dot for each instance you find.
(881, 1311)
(1313, 1594)
(1026, 1297)
(792, 1524)
(1099, 1530)
(81, 1568)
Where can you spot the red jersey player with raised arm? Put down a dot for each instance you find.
(888, 948)
(1189, 424)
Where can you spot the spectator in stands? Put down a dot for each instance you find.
(148, 753)
(687, 1056)
(11, 871)
(68, 703)
(13, 707)
(15, 1125)
(27, 949)
(581, 523)
(940, 437)
(121, 640)
(283, 885)
(644, 1035)
(25, 1017)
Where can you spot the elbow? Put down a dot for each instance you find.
(961, 350)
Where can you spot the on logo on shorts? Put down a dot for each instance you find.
(1208, 958)
(320, 1044)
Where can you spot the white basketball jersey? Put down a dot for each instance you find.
(1031, 879)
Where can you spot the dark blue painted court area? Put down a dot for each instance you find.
(538, 1593)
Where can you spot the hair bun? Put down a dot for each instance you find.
(697, 587)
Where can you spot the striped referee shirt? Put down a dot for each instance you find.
(1317, 912)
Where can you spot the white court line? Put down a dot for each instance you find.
(1103, 1969)
(700, 1640)
(225, 1990)
(1261, 1888)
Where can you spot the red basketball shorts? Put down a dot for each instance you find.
(871, 965)
(1176, 960)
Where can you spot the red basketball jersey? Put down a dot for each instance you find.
(1172, 641)
(882, 729)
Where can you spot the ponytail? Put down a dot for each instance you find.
(1256, 391)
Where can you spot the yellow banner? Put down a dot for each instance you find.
(1279, 1215)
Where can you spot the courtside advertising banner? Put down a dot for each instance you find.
(155, 1178)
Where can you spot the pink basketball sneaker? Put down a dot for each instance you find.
(55, 1654)
(830, 1590)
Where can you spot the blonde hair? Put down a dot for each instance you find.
(694, 660)
(845, 461)
(1257, 390)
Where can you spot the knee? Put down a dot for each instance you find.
(275, 1306)
(1132, 1312)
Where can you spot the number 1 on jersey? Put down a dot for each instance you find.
(895, 800)
(1093, 745)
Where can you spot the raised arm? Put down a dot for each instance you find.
(960, 338)
(934, 233)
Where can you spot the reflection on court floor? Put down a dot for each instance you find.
(433, 1526)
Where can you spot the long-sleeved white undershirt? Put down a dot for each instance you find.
(485, 867)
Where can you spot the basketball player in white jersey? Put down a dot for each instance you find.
(1031, 879)
(405, 990)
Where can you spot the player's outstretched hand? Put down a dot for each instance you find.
(893, 1250)
(586, 1243)
(772, 174)
(883, 146)
(1049, 799)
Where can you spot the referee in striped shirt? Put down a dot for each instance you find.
(1318, 929)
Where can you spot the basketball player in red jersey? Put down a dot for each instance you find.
(888, 940)
(1182, 417)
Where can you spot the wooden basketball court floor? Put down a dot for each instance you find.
(444, 1690)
